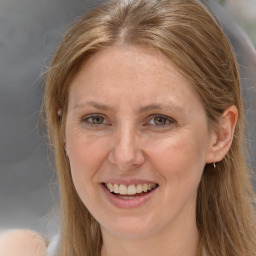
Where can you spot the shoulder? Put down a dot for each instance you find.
(26, 242)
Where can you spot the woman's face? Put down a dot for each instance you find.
(135, 125)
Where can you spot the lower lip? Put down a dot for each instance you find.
(128, 203)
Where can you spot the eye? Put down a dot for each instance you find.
(94, 120)
(159, 120)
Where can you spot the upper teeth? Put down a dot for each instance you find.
(131, 189)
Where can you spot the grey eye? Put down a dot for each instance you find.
(160, 120)
(96, 120)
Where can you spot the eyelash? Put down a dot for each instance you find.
(169, 120)
(86, 120)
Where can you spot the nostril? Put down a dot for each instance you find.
(126, 162)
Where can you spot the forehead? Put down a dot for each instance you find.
(133, 75)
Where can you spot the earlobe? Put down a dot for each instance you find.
(64, 144)
(65, 149)
(223, 135)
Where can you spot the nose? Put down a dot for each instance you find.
(126, 152)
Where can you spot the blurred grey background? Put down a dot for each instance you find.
(30, 31)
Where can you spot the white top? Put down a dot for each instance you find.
(53, 246)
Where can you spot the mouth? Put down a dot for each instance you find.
(131, 191)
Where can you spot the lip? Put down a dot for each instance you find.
(127, 203)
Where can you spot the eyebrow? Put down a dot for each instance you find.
(165, 106)
(93, 104)
(142, 109)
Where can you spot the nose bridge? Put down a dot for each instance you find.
(126, 152)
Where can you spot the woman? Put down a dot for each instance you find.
(144, 111)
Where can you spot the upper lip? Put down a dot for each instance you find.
(128, 182)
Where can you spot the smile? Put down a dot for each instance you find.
(129, 196)
(132, 189)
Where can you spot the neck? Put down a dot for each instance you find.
(181, 240)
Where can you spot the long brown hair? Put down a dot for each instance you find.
(188, 34)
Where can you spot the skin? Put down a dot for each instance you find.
(22, 242)
(131, 144)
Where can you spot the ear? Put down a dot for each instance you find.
(222, 137)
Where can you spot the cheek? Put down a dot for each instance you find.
(179, 159)
(86, 155)
(85, 151)
(180, 165)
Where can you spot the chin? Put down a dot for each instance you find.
(130, 228)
